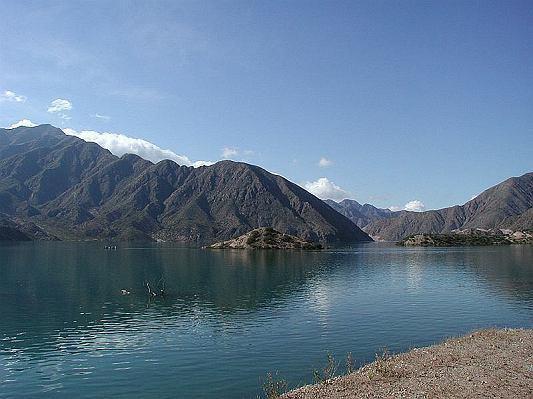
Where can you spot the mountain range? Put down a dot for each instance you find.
(362, 215)
(55, 186)
(508, 205)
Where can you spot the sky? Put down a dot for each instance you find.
(403, 104)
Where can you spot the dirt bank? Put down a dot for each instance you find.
(488, 363)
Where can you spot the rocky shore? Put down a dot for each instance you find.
(469, 237)
(489, 363)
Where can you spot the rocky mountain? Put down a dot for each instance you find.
(20, 230)
(72, 189)
(508, 205)
(361, 215)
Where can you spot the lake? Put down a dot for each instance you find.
(230, 317)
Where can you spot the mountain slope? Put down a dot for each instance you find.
(361, 215)
(78, 190)
(506, 205)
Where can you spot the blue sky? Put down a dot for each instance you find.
(402, 101)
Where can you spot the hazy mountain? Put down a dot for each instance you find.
(361, 215)
(506, 205)
(77, 190)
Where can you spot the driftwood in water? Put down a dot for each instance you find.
(152, 293)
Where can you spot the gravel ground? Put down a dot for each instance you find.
(485, 364)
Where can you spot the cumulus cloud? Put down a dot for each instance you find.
(59, 105)
(23, 122)
(229, 152)
(412, 206)
(11, 96)
(120, 144)
(324, 162)
(415, 206)
(325, 189)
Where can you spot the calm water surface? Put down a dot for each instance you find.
(232, 316)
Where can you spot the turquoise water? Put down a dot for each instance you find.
(229, 317)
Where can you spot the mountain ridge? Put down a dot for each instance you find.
(360, 214)
(507, 205)
(73, 189)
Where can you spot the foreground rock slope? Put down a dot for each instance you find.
(266, 238)
(489, 363)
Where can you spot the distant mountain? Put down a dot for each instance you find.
(72, 189)
(361, 215)
(508, 205)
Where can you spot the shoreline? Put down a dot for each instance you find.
(493, 362)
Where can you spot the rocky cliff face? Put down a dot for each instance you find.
(78, 190)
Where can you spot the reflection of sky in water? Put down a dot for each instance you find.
(232, 316)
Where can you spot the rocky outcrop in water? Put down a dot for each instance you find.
(266, 238)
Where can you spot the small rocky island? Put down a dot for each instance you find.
(266, 238)
(469, 237)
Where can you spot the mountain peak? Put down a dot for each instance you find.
(79, 190)
(505, 205)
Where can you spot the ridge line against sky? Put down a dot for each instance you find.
(409, 103)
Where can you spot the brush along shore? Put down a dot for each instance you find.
(488, 363)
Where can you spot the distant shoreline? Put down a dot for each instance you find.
(495, 363)
(471, 237)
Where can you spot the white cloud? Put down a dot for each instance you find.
(197, 164)
(23, 122)
(59, 105)
(228, 152)
(120, 144)
(11, 96)
(412, 206)
(415, 206)
(324, 162)
(103, 117)
(325, 189)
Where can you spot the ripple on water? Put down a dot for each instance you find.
(229, 320)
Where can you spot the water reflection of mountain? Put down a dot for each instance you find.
(508, 269)
(49, 290)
